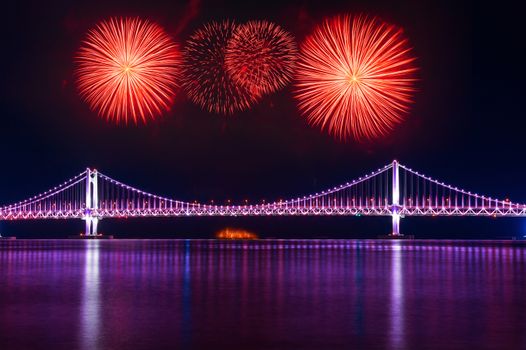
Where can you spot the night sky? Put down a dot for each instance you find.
(465, 127)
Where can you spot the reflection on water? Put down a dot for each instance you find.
(186, 298)
(311, 294)
(90, 303)
(396, 316)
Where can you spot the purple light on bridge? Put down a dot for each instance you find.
(394, 191)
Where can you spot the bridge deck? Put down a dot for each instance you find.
(265, 211)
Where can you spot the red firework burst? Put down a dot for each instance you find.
(355, 77)
(205, 79)
(261, 57)
(127, 69)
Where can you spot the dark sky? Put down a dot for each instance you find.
(465, 127)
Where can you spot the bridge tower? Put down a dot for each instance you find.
(92, 203)
(396, 200)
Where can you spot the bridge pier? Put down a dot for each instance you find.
(396, 225)
(395, 200)
(92, 203)
(91, 226)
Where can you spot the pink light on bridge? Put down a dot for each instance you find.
(92, 196)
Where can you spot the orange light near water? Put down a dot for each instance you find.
(232, 233)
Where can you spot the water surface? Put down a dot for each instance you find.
(268, 294)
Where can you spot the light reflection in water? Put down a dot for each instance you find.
(187, 298)
(269, 294)
(90, 322)
(396, 316)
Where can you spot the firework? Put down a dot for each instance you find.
(205, 79)
(127, 69)
(355, 77)
(261, 57)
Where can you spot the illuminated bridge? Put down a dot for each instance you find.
(394, 190)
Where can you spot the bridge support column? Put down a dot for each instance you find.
(396, 200)
(91, 226)
(396, 225)
(92, 203)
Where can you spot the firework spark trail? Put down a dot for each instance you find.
(205, 79)
(260, 56)
(127, 69)
(355, 77)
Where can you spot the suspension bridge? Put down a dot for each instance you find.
(394, 190)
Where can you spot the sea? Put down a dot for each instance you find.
(262, 294)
